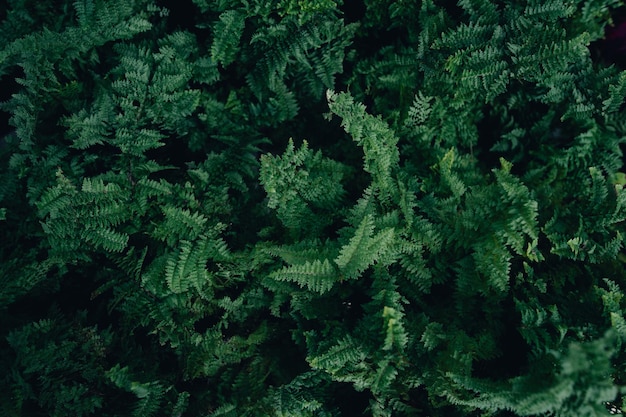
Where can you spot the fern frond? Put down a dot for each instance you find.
(617, 93)
(339, 356)
(317, 276)
(177, 269)
(374, 135)
(385, 375)
(419, 111)
(186, 266)
(228, 33)
(107, 239)
(363, 249)
(550, 10)
(137, 142)
(225, 410)
(303, 251)
(395, 334)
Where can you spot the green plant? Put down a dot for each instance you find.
(196, 221)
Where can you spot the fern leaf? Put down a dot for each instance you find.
(226, 410)
(107, 238)
(420, 110)
(194, 223)
(138, 142)
(617, 92)
(363, 249)
(351, 258)
(177, 269)
(374, 135)
(317, 276)
(494, 262)
(346, 351)
(150, 397)
(619, 324)
(395, 335)
(550, 10)
(303, 251)
(385, 375)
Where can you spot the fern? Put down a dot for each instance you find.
(148, 394)
(228, 30)
(282, 43)
(338, 357)
(317, 276)
(616, 97)
(298, 183)
(298, 397)
(377, 140)
(385, 375)
(363, 249)
(395, 334)
(611, 299)
(549, 11)
(457, 249)
(561, 396)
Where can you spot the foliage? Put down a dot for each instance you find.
(283, 208)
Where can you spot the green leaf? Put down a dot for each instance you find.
(363, 250)
(395, 335)
(317, 276)
(345, 352)
(385, 375)
(178, 268)
(228, 31)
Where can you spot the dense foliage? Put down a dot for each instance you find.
(311, 208)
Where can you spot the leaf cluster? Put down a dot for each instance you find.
(268, 210)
